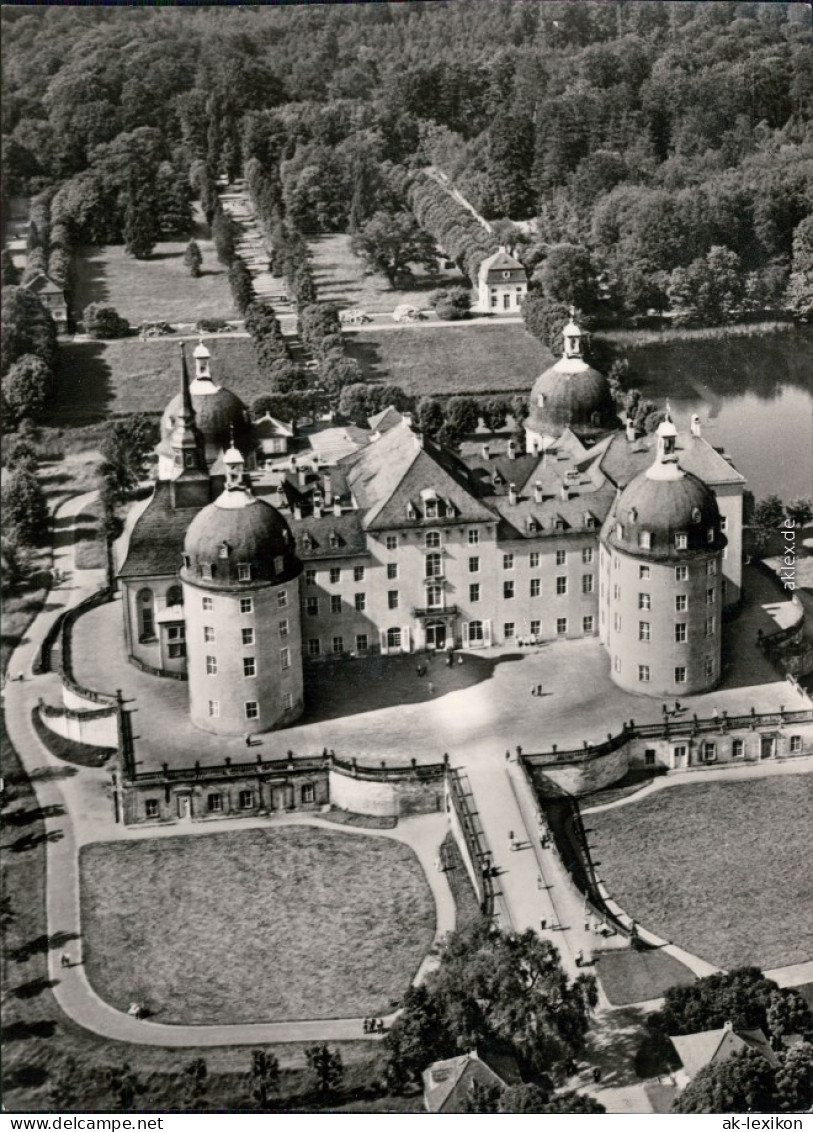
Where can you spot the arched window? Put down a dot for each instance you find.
(175, 595)
(434, 565)
(393, 638)
(146, 614)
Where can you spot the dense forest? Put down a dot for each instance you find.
(662, 149)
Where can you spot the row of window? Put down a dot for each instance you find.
(681, 630)
(251, 708)
(645, 538)
(681, 600)
(244, 569)
(681, 572)
(680, 674)
(245, 801)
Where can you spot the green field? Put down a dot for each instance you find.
(128, 376)
(451, 359)
(719, 868)
(258, 925)
(341, 279)
(155, 289)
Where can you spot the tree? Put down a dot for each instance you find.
(192, 259)
(494, 411)
(125, 449)
(25, 511)
(27, 328)
(63, 1087)
(794, 1079)
(141, 226)
(788, 1013)
(799, 297)
(104, 322)
(523, 1098)
(304, 286)
(264, 1076)
(26, 387)
(417, 1037)
(242, 288)
(16, 562)
(740, 996)
(546, 320)
(430, 416)
(461, 418)
(568, 277)
(570, 1103)
(709, 291)
(196, 1082)
(224, 234)
(9, 272)
(743, 1082)
(325, 1066)
(799, 511)
(482, 1098)
(391, 242)
(451, 304)
(769, 513)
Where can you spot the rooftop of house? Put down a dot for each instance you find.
(40, 284)
(498, 261)
(623, 459)
(156, 541)
(698, 1050)
(446, 1084)
(385, 420)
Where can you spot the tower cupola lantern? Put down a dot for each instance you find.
(202, 357)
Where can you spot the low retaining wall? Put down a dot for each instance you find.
(364, 794)
(95, 728)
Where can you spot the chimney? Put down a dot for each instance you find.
(512, 450)
(337, 507)
(302, 477)
(631, 437)
(728, 1025)
(328, 490)
(565, 494)
(297, 511)
(538, 492)
(512, 494)
(696, 425)
(317, 505)
(486, 452)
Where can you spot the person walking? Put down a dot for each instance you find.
(508, 756)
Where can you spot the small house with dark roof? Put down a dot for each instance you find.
(502, 284)
(52, 297)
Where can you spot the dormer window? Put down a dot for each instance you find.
(223, 550)
(189, 459)
(243, 572)
(531, 524)
(589, 521)
(681, 540)
(541, 400)
(207, 571)
(645, 540)
(558, 523)
(696, 515)
(307, 542)
(178, 461)
(411, 512)
(633, 514)
(333, 539)
(619, 530)
(710, 534)
(431, 509)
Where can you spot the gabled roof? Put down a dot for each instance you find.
(499, 261)
(329, 445)
(41, 285)
(156, 541)
(624, 459)
(446, 1084)
(388, 476)
(267, 426)
(700, 1049)
(385, 420)
(313, 536)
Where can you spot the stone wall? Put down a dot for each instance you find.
(385, 798)
(95, 728)
(584, 776)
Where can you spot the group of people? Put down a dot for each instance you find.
(373, 1025)
(676, 710)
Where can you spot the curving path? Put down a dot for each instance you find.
(69, 792)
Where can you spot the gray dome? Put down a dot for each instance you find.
(571, 394)
(235, 532)
(664, 508)
(216, 414)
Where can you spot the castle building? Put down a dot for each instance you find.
(502, 284)
(661, 579)
(402, 545)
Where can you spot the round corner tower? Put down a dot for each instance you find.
(661, 580)
(240, 578)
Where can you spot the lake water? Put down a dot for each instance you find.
(754, 395)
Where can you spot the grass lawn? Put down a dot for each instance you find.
(131, 376)
(258, 925)
(637, 976)
(720, 868)
(90, 549)
(38, 1038)
(462, 359)
(158, 289)
(467, 906)
(20, 608)
(340, 278)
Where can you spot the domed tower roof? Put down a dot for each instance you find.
(571, 394)
(217, 412)
(239, 540)
(665, 512)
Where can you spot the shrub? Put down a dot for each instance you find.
(104, 322)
